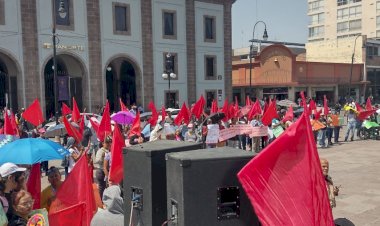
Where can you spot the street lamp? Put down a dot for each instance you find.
(169, 71)
(265, 37)
(62, 13)
(352, 64)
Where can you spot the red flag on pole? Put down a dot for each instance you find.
(116, 169)
(163, 113)
(269, 180)
(226, 111)
(270, 114)
(76, 113)
(65, 109)
(325, 106)
(248, 101)
(368, 105)
(312, 105)
(154, 118)
(255, 110)
(105, 124)
(74, 191)
(33, 185)
(136, 127)
(183, 114)
(198, 107)
(358, 107)
(289, 115)
(73, 215)
(71, 131)
(365, 114)
(33, 113)
(122, 105)
(214, 106)
(81, 126)
(8, 129)
(14, 124)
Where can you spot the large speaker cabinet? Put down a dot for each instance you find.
(145, 180)
(203, 188)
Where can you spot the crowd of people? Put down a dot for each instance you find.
(17, 203)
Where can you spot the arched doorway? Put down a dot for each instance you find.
(121, 83)
(69, 77)
(8, 83)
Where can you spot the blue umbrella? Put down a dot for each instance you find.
(31, 151)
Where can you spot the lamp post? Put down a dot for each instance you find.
(169, 72)
(352, 65)
(265, 37)
(62, 13)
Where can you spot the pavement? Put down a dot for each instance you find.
(354, 166)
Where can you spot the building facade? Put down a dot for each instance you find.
(108, 50)
(278, 72)
(347, 31)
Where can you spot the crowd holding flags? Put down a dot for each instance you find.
(268, 179)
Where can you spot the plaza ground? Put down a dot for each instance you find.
(355, 167)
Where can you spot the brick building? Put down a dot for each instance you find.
(279, 71)
(114, 49)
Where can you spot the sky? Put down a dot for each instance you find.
(286, 21)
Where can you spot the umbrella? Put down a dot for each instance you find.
(58, 130)
(31, 151)
(123, 117)
(286, 103)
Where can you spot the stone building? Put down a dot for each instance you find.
(114, 49)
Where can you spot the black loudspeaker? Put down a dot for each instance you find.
(144, 184)
(203, 188)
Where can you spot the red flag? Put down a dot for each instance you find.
(272, 180)
(255, 110)
(312, 105)
(14, 124)
(365, 114)
(33, 185)
(76, 113)
(122, 106)
(163, 113)
(71, 131)
(81, 126)
(94, 125)
(136, 127)
(214, 106)
(289, 115)
(75, 190)
(105, 124)
(116, 169)
(154, 118)
(8, 129)
(65, 109)
(270, 114)
(226, 111)
(33, 114)
(358, 107)
(183, 114)
(73, 215)
(318, 114)
(198, 107)
(248, 101)
(325, 106)
(368, 105)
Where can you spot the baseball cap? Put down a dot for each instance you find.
(9, 168)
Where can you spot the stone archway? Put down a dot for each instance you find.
(8, 82)
(70, 76)
(122, 80)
